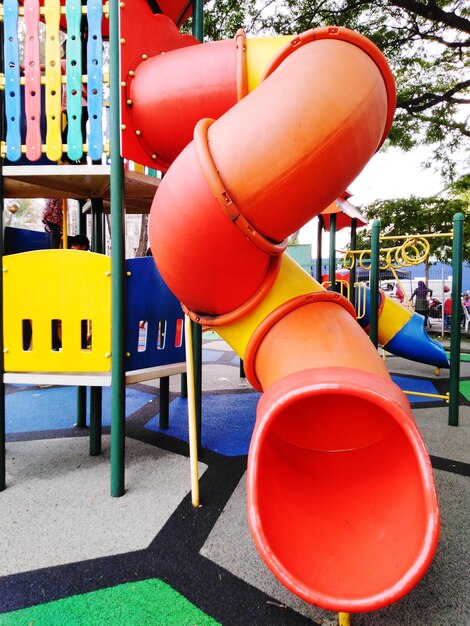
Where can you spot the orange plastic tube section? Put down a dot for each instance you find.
(301, 147)
(280, 156)
(341, 499)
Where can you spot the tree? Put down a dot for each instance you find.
(418, 216)
(426, 43)
(143, 236)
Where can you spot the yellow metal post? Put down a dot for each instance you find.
(192, 413)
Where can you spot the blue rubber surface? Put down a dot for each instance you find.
(416, 384)
(56, 408)
(227, 421)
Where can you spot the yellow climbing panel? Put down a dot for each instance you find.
(53, 81)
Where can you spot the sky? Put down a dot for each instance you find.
(389, 174)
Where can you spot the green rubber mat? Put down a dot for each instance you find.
(465, 389)
(147, 602)
(463, 356)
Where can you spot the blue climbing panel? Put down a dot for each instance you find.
(73, 13)
(12, 80)
(95, 79)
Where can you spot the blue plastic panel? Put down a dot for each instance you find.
(151, 303)
(18, 240)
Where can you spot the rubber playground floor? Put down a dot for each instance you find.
(73, 555)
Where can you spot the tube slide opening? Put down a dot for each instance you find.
(340, 495)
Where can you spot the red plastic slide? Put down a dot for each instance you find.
(341, 499)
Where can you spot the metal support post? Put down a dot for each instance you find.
(81, 407)
(164, 421)
(332, 260)
(457, 260)
(352, 271)
(374, 283)
(318, 268)
(96, 395)
(118, 389)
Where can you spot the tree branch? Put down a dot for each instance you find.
(444, 42)
(429, 99)
(460, 127)
(431, 11)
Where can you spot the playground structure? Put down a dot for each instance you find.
(288, 299)
(329, 410)
(398, 330)
(402, 332)
(132, 328)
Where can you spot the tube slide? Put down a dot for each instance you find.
(341, 500)
(400, 331)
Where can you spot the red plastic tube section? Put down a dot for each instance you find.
(340, 493)
(341, 502)
(173, 91)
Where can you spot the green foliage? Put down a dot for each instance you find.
(418, 216)
(426, 43)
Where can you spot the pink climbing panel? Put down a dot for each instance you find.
(32, 80)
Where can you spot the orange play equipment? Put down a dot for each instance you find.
(341, 499)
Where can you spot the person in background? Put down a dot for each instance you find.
(447, 312)
(52, 218)
(399, 294)
(421, 304)
(466, 300)
(79, 242)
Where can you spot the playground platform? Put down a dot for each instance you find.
(71, 554)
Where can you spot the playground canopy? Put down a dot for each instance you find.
(345, 213)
